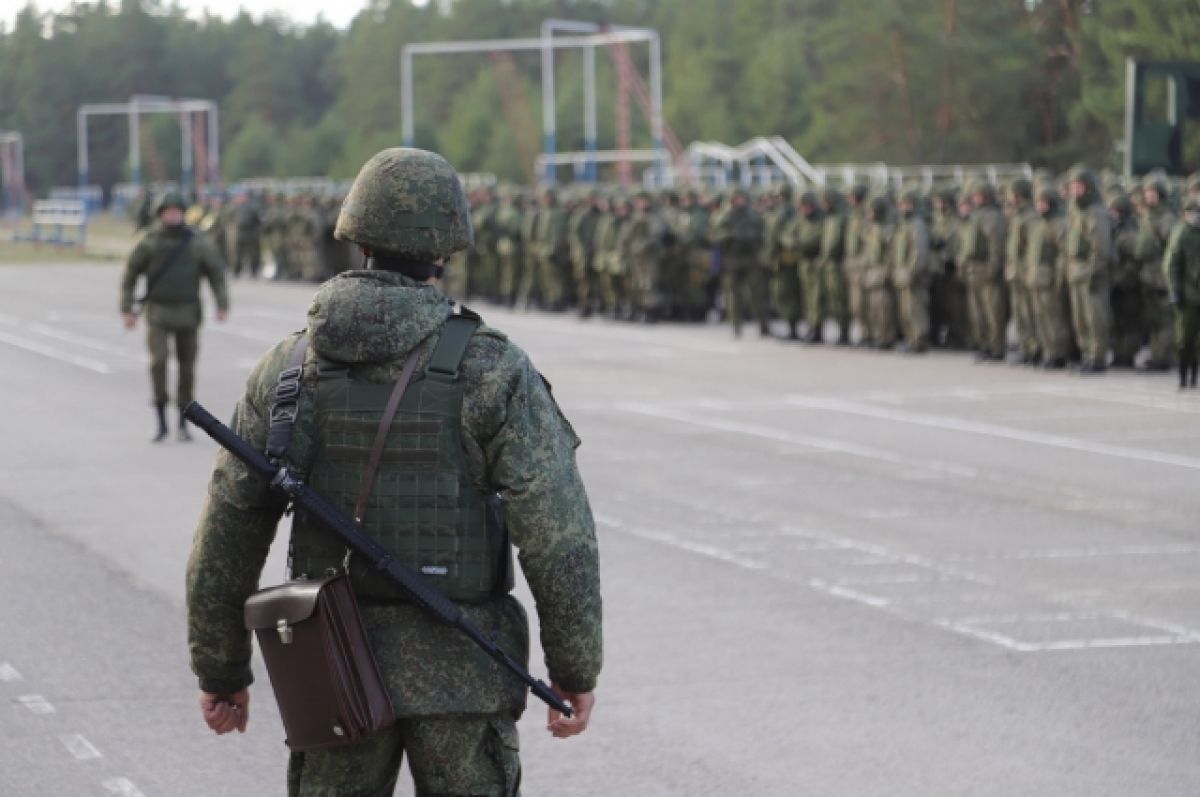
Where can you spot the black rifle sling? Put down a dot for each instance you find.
(284, 402)
(172, 256)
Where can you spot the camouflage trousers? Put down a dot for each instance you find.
(912, 310)
(1052, 315)
(1021, 302)
(450, 756)
(1128, 326)
(1187, 333)
(742, 279)
(187, 346)
(247, 255)
(987, 309)
(881, 315)
(1091, 316)
(1159, 325)
(785, 292)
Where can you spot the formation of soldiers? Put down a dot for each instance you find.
(1055, 271)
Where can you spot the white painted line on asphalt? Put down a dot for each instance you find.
(1132, 399)
(35, 347)
(79, 747)
(8, 673)
(1079, 553)
(838, 591)
(89, 343)
(808, 441)
(123, 787)
(36, 704)
(709, 551)
(259, 335)
(993, 430)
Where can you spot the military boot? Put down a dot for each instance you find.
(184, 435)
(161, 412)
(1192, 379)
(1183, 376)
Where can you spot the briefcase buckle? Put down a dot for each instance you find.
(285, 632)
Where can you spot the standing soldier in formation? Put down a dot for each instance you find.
(483, 262)
(1045, 279)
(611, 250)
(853, 264)
(248, 234)
(1154, 232)
(275, 233)
(1089, 253)
(1128, 328)
(645, 236)
(1021, 215)
(554, 256)
(456, 711)
(910, 274)
(947, 316)
(581, 238)
(1182, 267)
(803, 236)
(529, 286)
(832, 260)
(738, 232)
(782, 261)
(173, 258)
(878, 296)
(692, 239)
(983, 248)
(509, 245)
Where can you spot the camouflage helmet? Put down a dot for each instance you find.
(1021, 188)
(171, 199)
(409, 202)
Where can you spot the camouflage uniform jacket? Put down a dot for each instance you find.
(174, 301)
(1154, 232)
(516, 442)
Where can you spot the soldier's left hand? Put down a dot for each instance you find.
(222, 315)
(226, 713)
(564, 727)
(129, 319)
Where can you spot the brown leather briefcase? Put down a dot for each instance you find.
(328, 687)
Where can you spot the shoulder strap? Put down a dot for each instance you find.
(172, 256)
(452, 346)
(385, 425)
(284, 400)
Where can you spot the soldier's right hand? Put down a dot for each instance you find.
(226, 713)
(130, 320)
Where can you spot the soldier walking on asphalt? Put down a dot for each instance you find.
(491, 430)
(173, 258)
(1182, 267)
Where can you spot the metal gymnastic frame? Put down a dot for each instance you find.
(142, 104)
(547, 44)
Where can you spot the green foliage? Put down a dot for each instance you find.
(253, 151)
(905, 81)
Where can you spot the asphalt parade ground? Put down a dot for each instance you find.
(826, 571)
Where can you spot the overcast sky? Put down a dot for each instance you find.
(338, 12)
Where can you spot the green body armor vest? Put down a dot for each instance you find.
(424, 507)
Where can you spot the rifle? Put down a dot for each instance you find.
(334, 520)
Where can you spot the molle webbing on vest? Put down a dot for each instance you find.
(284, 402)
(423, 507)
